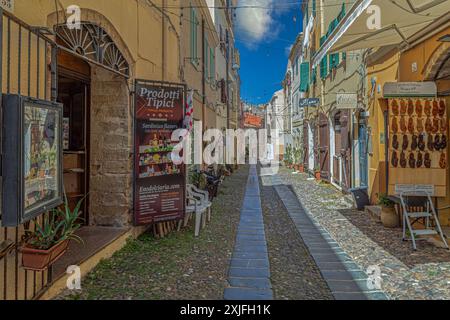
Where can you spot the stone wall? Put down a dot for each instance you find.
(111, 159)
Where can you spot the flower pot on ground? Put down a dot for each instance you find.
(389, 217)
(317, 175)
(51, 239)
(301, 168)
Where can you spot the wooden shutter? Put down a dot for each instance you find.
(304, 77)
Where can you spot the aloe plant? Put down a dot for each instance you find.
(59, 226)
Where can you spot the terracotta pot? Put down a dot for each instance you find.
(40, 260)
(301, 168)
(389, 218)
(318, 176)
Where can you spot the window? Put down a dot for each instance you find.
(304, 77)
(206, 60)
(313, 76)
(194, 37)
(324, 62)
(314, 8)
(296, 106)
(212, 68)
(342, 13)
(334, 61)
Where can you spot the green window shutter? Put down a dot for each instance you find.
(342, 13)
(324, 62)
(194, 37)
(304, 77)
(192, 34)
(314, 8)
(334, 60)
(206, 62)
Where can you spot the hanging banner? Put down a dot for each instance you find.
(309, 102)
(346, 101)
(159, 183)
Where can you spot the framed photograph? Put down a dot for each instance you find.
(32, 163)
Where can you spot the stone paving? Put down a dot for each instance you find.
(249, 274)
(322, 202)
(344, 278)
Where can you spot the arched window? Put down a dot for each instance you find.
(92, 42)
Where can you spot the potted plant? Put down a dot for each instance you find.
(288, 157)
(317, 174)
(389, 217)
(298, 160)
(51, 239)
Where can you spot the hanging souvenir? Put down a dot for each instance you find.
(419, 109)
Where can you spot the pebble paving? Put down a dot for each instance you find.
(249, 273)
(398, 281)
(345, 280)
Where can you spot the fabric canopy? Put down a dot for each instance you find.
(399, 21)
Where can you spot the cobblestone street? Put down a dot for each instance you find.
(297, 240)
(429, 280)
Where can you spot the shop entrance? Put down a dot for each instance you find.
(73, 93)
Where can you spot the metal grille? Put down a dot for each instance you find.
(28, 67)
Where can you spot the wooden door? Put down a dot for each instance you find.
(337, 159)
(306, 144)
(324, 147)
(345, 151)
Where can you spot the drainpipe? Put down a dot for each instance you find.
(163, 49)
(203, 77)
(228, 79)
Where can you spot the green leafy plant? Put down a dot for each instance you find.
(194, 178)
(289, 155)
(298, 155)
(383, 200)
(60, 225)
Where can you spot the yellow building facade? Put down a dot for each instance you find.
(43, 58)
(427, 60)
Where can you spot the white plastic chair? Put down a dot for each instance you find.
(203, 197)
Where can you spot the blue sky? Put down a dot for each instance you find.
(264, 37)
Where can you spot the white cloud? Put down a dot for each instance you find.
(255, 23)
(288, 49)
(257, 20)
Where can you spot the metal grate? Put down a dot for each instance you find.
(28, 67)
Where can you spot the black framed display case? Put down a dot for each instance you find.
(32, 162)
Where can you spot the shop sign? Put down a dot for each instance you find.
(414, 190)
(346, 101)
(159, 183)
(32, 167)
(409, 89)
(8, 5)
(309, 102)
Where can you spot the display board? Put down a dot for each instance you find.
(418, 143)
(32, 162)
(159, 190)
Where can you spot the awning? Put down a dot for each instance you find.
(400, 21)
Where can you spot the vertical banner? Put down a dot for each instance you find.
(159, 184)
